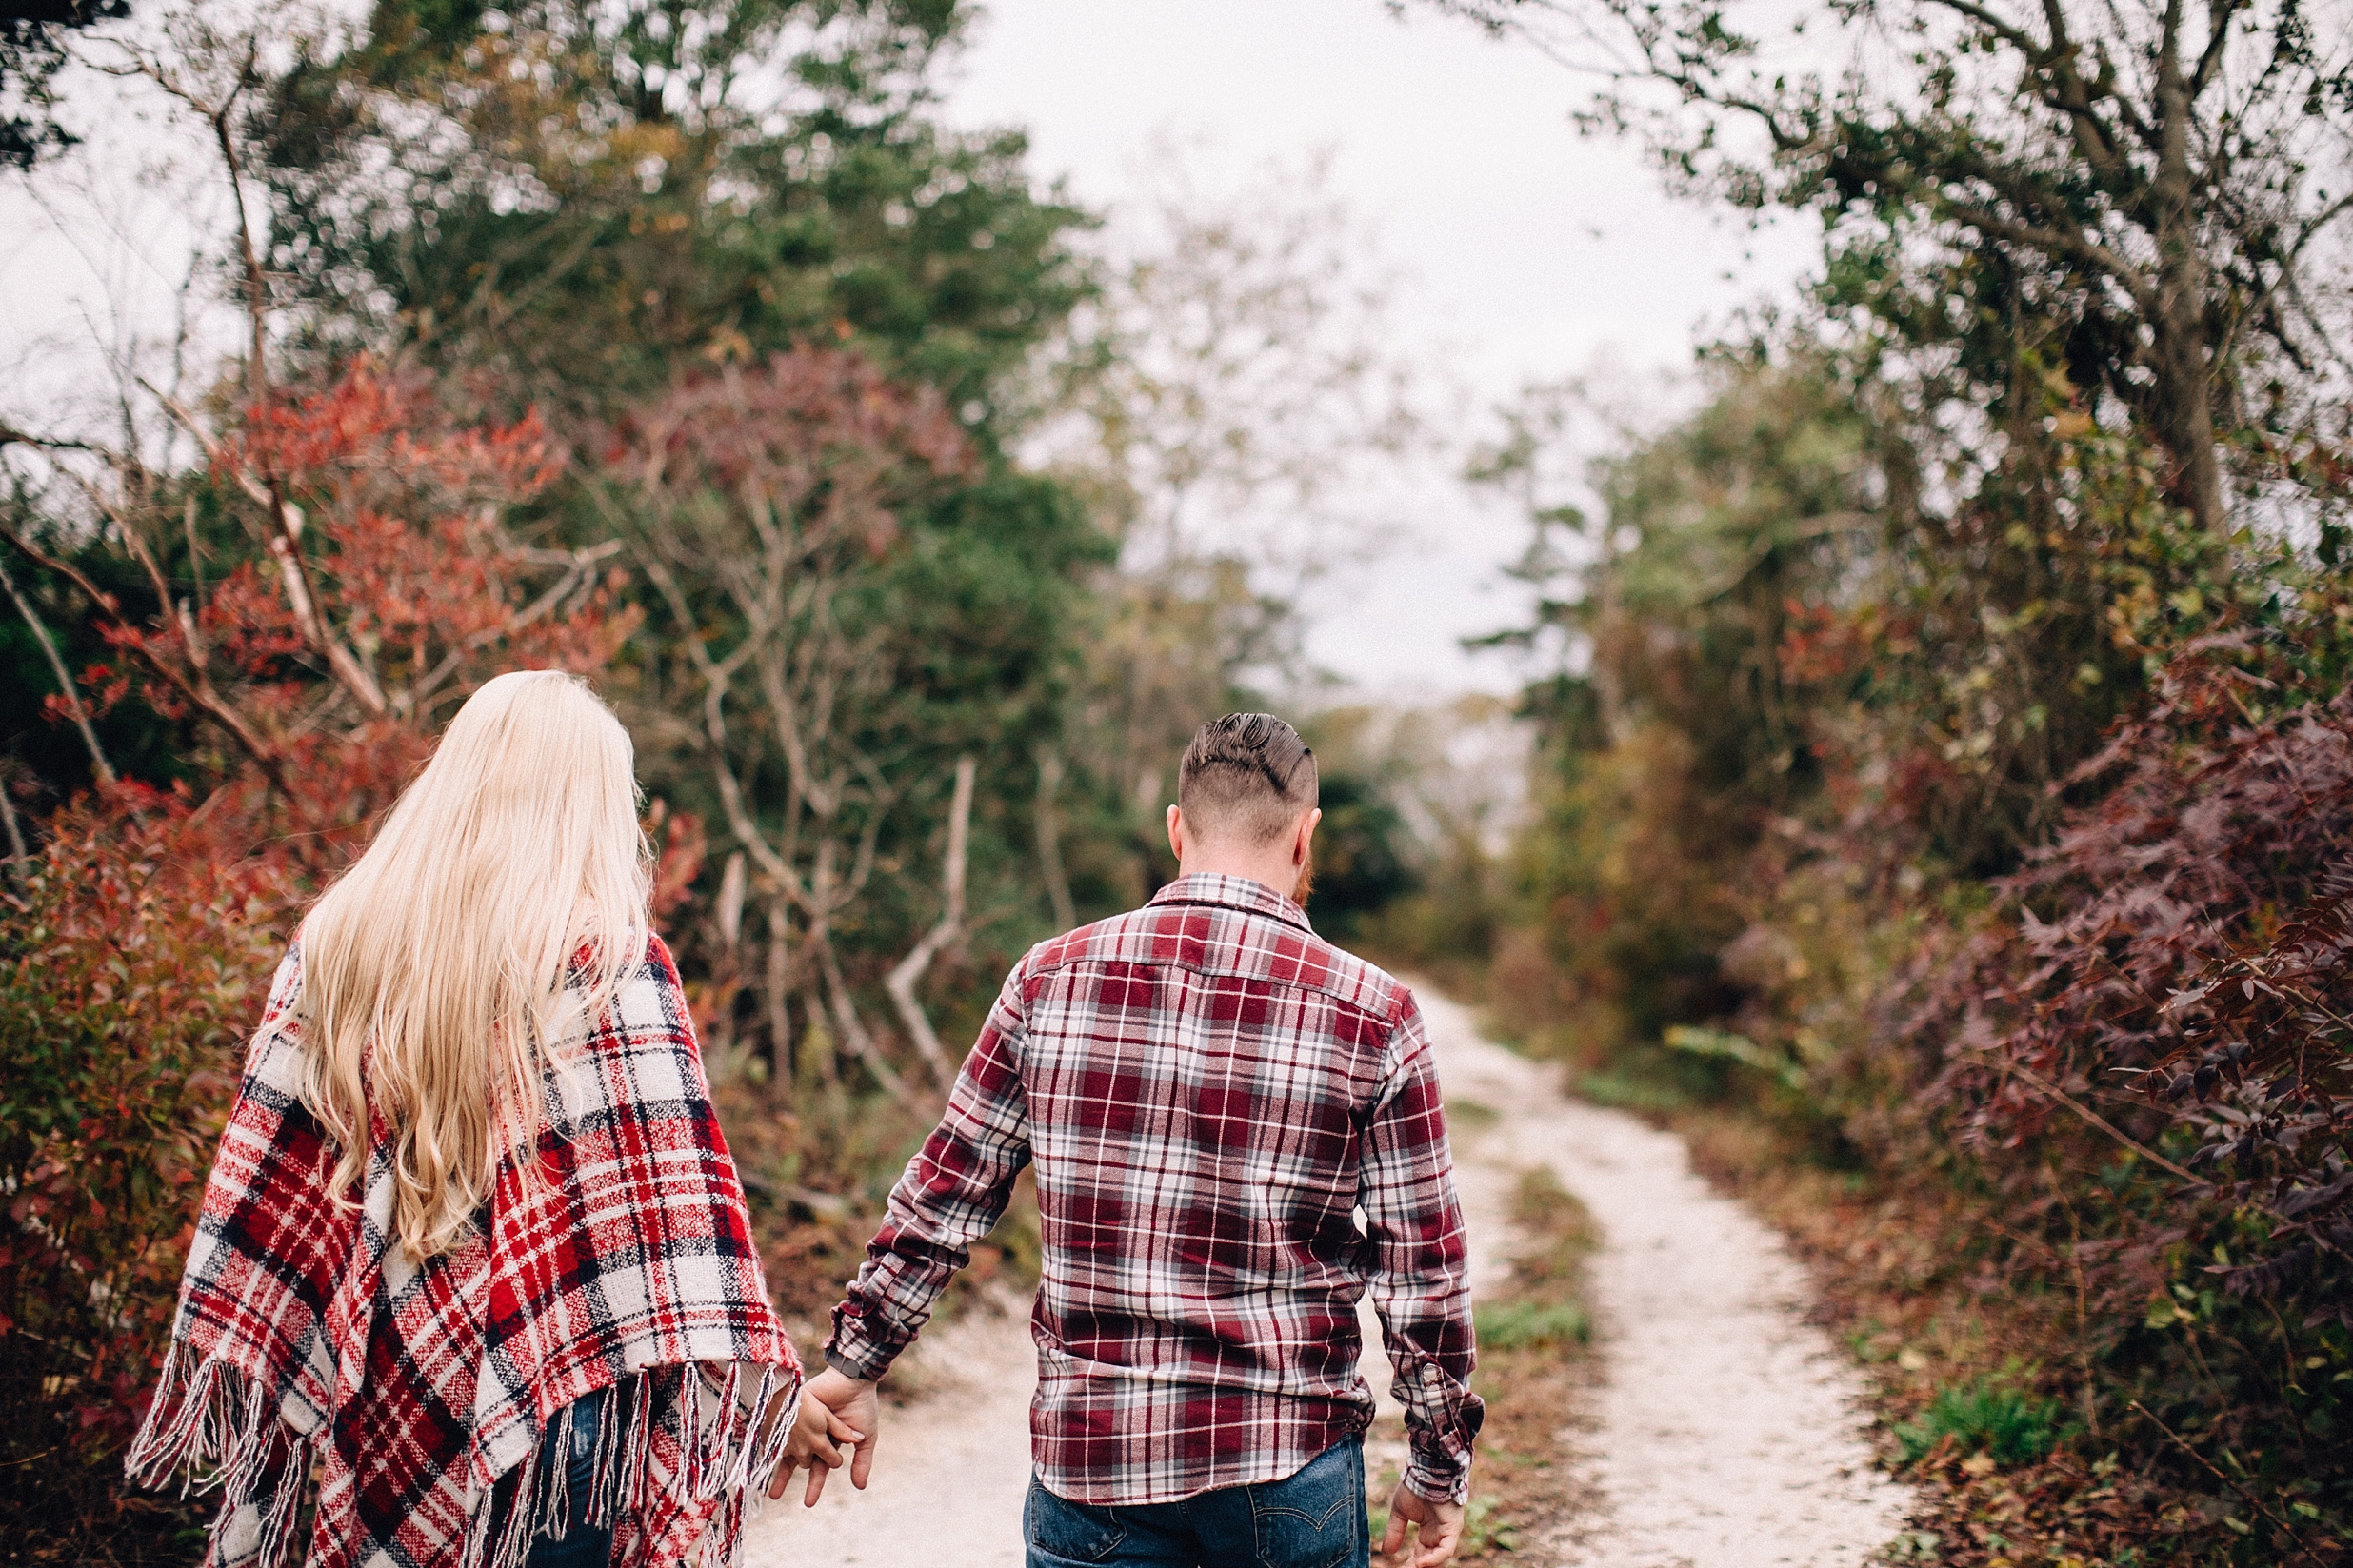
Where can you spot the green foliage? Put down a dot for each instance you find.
(51, 761)
(1902, 854)
(1484, 1528)
(1533, 1325)
(1361, 849)
(1724, 1045)
(554, 240)
(32, 47)
(136, 939)
(1688, 730)
(2011, 1426)
(1549, 1274)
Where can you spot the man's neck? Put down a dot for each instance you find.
(1274, 872)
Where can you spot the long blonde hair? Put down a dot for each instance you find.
(434, 969)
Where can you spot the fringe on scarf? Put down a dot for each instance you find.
(706, 1423)
(208, 1415)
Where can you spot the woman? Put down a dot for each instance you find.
(474, 1248)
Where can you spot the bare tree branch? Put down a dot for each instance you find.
(18, 853)
(195, 688)
(1048, 815)
(66, 686)
(286, 523)
(910, 969)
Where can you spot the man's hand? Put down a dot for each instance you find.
(1440, 1527)
(818, 1437)
(835, 1411)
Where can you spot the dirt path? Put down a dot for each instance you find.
(1723, 1434)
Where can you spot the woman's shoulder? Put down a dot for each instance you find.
(285, 996)
(648, 999)
(646, 956)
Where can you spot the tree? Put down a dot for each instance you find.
(1669, 601)
(382, 583)
(758, 503)
(567, 201)
(1673, 733)
(2149, 188)
(1234, 388)
(377, 578)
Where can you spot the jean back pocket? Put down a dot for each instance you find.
(1316, 1518)
(1069, 1530)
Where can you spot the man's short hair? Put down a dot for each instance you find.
(1248, 776)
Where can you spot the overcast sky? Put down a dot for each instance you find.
(1529, 251)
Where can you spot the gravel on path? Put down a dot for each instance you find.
(1723, 1433)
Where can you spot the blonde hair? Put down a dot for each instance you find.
(434, 969)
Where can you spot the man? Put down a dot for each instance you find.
(1237, 1133)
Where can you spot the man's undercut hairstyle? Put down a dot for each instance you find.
(1246, 776)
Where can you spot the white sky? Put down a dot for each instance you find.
(1529, 251)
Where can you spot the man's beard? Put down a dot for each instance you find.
(1307, 881)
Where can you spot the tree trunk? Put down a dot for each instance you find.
(2184, 372)
(910, 969)
(779, 995)
(66, 686)
(1050, 838)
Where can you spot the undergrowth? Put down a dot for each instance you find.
(1983, 1417)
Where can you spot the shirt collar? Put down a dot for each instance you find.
(1252, 897)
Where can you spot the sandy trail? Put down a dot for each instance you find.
(1723, 1434)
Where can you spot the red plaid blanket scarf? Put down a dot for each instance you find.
(306, 1342)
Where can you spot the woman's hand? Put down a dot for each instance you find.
(817, 1441)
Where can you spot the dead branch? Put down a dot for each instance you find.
(910, 969)
(286, 525)
(18, 854)
(10, 435)
(1048, 815)
(860, 1039)
(577, 568)
(196, 688)
(65, 687)
(731, 902)
(2036, 1080)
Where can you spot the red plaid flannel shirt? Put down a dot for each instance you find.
(1210, 1093)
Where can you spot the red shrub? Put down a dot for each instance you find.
(2177, 969)
(134, 948)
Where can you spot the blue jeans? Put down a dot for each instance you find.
(1314, 1518)
(581, 1545)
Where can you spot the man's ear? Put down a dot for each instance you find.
(1176, 834)
(1307, 832)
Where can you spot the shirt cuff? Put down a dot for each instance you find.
(1438, 1486)
(853, 1353)
(848, 1368)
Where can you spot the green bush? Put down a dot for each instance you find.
(2011, 1426)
